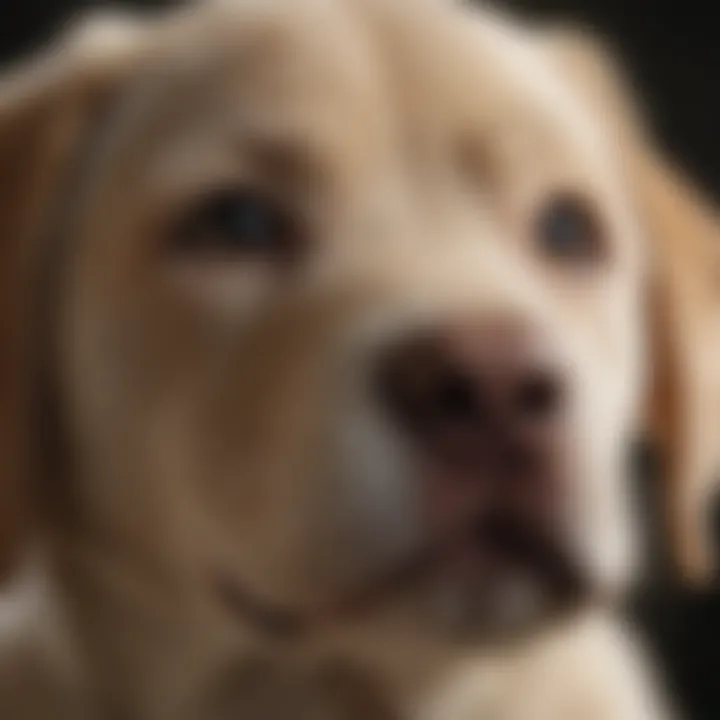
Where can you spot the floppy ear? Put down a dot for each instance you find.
(46, 108)
(683, 233)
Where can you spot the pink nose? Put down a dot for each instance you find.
(476, 385)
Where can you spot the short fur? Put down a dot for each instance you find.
(163, 422)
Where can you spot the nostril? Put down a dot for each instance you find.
(456, 398)
(539, 396)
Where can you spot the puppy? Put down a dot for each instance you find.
(325, 328)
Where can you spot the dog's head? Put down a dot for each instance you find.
(348, 309)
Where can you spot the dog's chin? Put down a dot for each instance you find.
(485, 594)
(514, 603)
(467, 612)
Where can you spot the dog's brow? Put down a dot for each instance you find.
(290, 155)
(292, 159)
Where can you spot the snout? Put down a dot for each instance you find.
(485, 403)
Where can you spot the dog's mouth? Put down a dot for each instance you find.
(490, 560)
(492, 554)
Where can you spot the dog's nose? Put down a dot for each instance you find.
(474, 380)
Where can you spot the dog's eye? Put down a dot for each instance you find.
(568, 230)
(239, 224)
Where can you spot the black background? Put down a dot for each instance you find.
(672, 50)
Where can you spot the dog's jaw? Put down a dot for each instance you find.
(104, 635)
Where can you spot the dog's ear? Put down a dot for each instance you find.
(682, 229)
(47, 106)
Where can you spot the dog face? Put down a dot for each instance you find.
(346, 325)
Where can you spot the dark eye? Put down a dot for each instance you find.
(239, 224)
(568, 230)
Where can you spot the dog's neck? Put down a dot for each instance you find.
(144, 644)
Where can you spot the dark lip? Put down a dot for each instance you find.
(520, 546)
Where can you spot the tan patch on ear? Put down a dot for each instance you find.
(684, 409)
(683, 232)
(46, 106)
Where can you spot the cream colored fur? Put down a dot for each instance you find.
(215, 420)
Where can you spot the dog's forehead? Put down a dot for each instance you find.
(371, 71)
